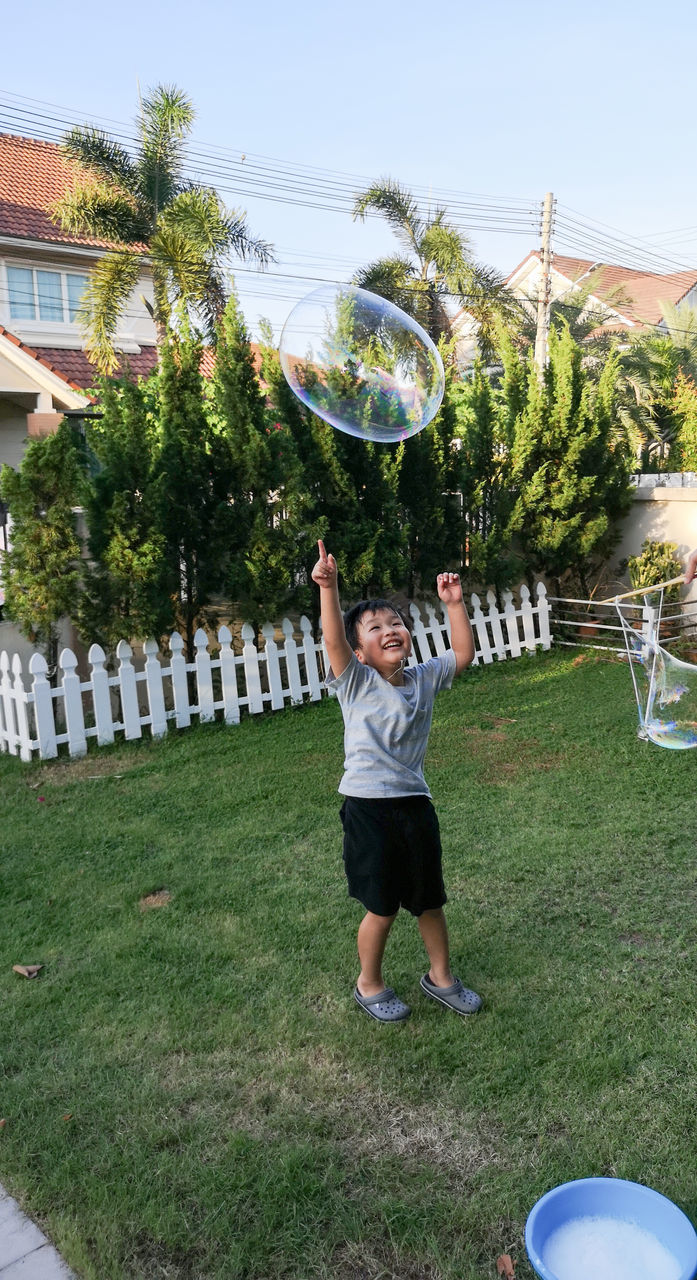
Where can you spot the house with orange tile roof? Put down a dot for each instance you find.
(626, 300)
(44, 369)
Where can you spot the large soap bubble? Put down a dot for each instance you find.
(362, 364)
(665, 687)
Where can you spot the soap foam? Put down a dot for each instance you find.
(608, 1249)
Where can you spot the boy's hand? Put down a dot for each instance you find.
(691, 567)
(325, 572)
(449, 588)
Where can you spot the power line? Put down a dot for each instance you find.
(306, 186)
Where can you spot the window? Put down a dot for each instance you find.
(52, 296)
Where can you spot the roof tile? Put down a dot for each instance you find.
(33, 176)
(639, 293)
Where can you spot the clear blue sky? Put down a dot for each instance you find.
(504, 98)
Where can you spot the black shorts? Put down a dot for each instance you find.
(392, 854)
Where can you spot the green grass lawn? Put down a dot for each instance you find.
(190, 1091)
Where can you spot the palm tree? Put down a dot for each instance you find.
(586, 320)
(434, 269)
(653, 360)
(153, 217)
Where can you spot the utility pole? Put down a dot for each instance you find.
(544, 295)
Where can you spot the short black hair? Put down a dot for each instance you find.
(353, 616)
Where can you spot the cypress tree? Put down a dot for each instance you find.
(571, 478)
(193, 483)
(482, 417)
(42, 569)
(126, 591)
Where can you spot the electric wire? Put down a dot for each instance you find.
(269, 179)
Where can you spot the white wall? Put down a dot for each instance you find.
(663, 513)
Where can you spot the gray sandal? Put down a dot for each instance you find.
(456, 997)
(384, 1007)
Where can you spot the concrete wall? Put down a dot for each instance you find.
(663, 512)
(13, 641)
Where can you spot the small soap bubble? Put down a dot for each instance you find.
(362, 364)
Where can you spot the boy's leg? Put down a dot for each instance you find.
(434, 932)
(439, 982)
(372, 937)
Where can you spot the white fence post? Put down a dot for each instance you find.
(72, 704)
(153, 684)
(20, 697)
(528, 618)
(494, 620)
(130, 712)
(43, 707)
(421, 649)
(228, 676)
(310, 651)
(180, 683)
(510, 618)
(101, 696)
(481, 634)
(250, 655)
(292, 665)
(204, 678)
(543, 612)
(273, 666)
(436, 628)
(9, 736)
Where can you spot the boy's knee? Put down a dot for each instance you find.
(377, 920)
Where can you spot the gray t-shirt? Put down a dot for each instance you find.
(386, 727)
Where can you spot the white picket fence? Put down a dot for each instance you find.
(40, 719)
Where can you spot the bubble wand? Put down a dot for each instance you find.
(643, 591)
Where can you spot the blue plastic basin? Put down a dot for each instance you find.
(611, 1198)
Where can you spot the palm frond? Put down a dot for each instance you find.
(681, 323)
(397, 206)
(181, 267)
(197, 214)
(212, 305)
(103, 212)
(391, 278)
(102, 303)
(246, 246)
(165, 121)
(107, 159)
(446, 249)
(166, 113)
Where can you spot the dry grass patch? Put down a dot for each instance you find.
(363, 1260)
(318, 1093)
(159, 898)
(503, 758)
(90, 768)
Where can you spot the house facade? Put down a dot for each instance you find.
(43, 273)
(619, 298)
(44, 370)
(625, 298)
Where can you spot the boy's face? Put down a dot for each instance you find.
(384, 641)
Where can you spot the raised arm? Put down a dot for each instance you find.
(461, 638)
(327, 579)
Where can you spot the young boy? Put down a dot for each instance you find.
(392, 851)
